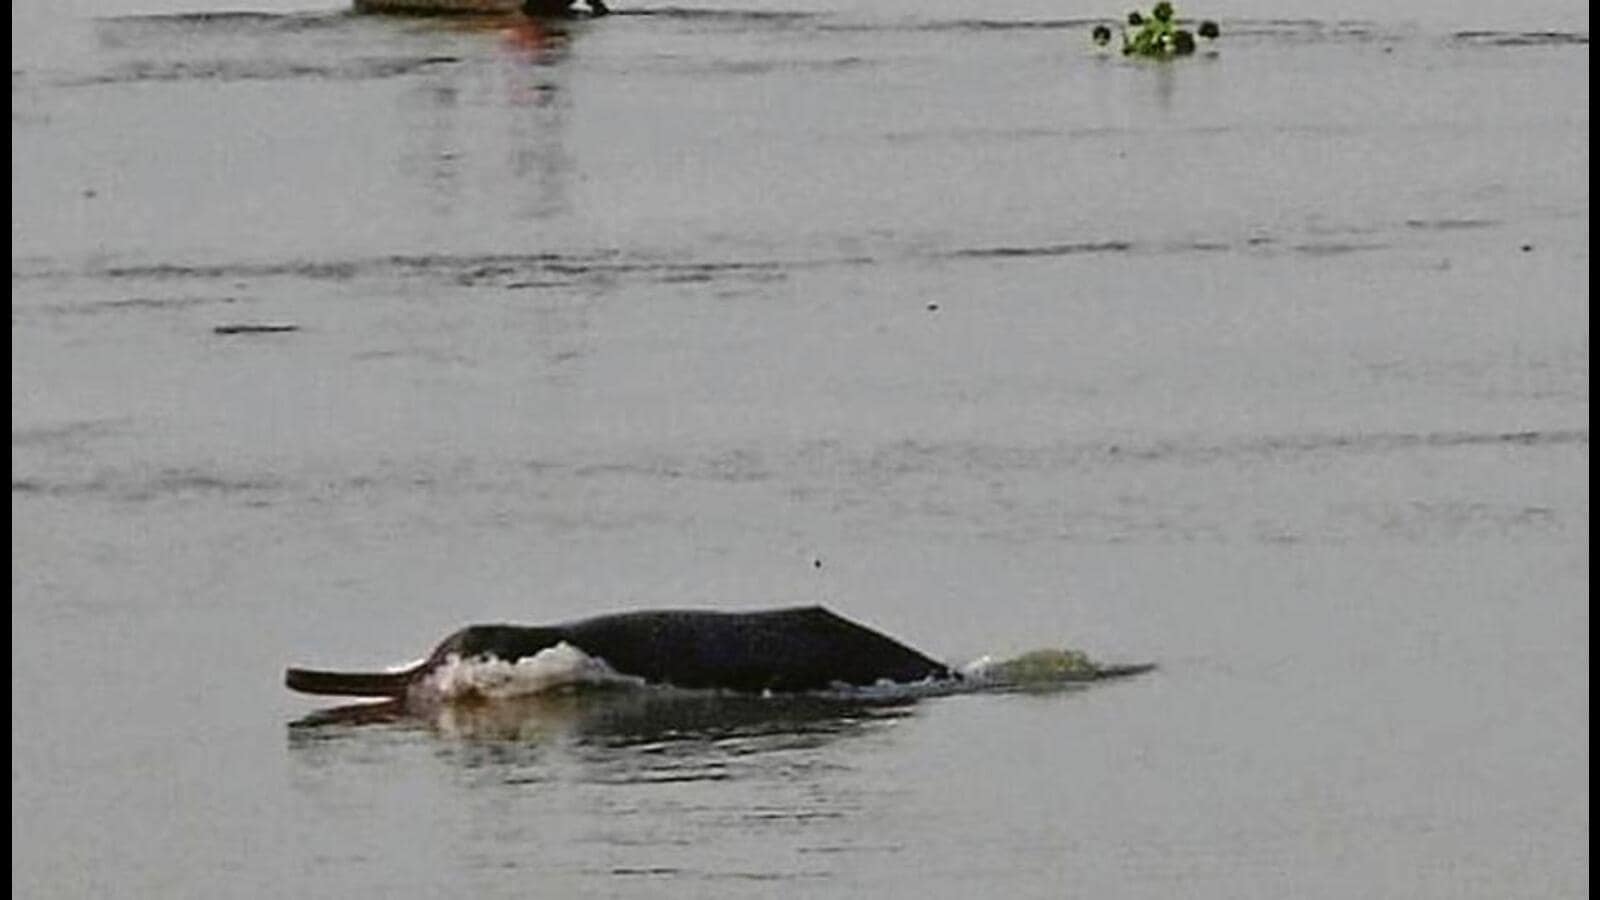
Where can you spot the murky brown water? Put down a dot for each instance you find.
(1272, 366)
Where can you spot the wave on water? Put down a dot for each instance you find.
(225, 70)
(609, 265)
(140, 487)
(1523, 38)
(519, 271)
(903, 459)
(230, 21)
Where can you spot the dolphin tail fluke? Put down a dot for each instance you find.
(350, 684)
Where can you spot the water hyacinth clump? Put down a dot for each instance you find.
(1157, 35)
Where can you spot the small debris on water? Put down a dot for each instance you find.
(256, 328)
(1527, 248)
(933, 307)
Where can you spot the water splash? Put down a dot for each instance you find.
(564, 691)
(1047, 666)
(562, 666)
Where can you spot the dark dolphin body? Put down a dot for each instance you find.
(798, 649)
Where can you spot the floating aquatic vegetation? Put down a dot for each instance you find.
(1157, 35)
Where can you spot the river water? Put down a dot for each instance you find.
(1270, 365)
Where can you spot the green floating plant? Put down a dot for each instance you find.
(1157, 35)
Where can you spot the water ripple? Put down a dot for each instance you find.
(226, 70)
(1045, 250)
(746, 466)
(1523, 38)
(551, 269)
(223, 22)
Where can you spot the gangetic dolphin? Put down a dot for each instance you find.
(800, 649)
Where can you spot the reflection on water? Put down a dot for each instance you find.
(525, 90)
(1166, 85)
(613, 737)
(646, 785)
(394, 135)
(616, 717)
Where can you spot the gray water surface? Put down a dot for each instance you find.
(1271, 365)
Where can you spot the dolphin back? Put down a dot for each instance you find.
(797, 649)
